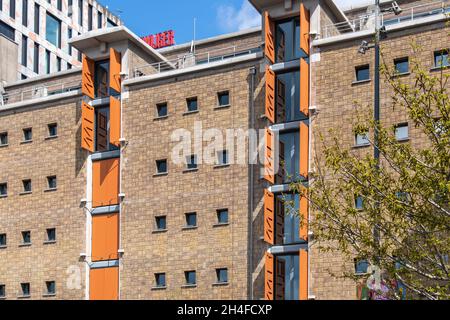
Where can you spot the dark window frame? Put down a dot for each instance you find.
(399, 62)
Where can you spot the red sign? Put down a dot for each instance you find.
(160, 40)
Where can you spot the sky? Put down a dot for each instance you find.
(213, 17)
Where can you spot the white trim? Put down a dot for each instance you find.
(87, 211)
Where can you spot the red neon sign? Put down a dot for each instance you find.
(160, 40)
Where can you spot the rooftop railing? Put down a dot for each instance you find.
(367, 22)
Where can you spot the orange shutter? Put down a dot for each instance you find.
(304, 218)
(269, 276)
(270, 94)
(104, 284)
(105, 237)
(303, 275)
(115, 67)
(279, 222)
(269, 160)
(269, 206)
(102, 132)
(269, 38)
(87, 77)
(304, 150)
(304, 29)
(114, 121)
(87, 127)
(105, 184)
(280, 282)
(304, 87)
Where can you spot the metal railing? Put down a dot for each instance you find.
(367, 22)
(190, 59)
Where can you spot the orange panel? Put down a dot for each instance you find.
(270, 94)
(303, 275)
(269, 205)
(114, 121)
(304, 218)
(115, 67)
(304, 29)
(304, 150)
(269, 276)
(269, 38)
(87, 127)
(87, 77)
(105, 237)
(104, 284)
(269, 160)
(304, 87)
(280, 279)
(105, 183)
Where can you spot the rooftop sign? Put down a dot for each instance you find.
(160, 40)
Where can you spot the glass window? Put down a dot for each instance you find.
(26, 185)
(2, 239)
(224, 98)
(36, 58)
(102, 79)
(51, 181)
(3, 189)
(362, 73)
(191, 162)
(288, 97)
(161, 166)
(190, 277)
(110, 24)
(26, 237)
(287, 277)
(161, 109)
(51, 287)
(99, 20)
(36, 18)
(27, 134)
(12, 8)
(222, 158)
(25, 12)
(441, 59)
(51, 234)
(7, 31)
(2, 291)
(222, 216)
(361, 266)
(287, 209)
(4, 139)
(401, 65)
(25, 289)
(191, 219)
(192, 104)
(222, 275)
(80, 12)
(47, 61)
(362, 140)
(161, 223)
(24, 51)
(402, 132)
(53, 30)
(59, 4)
(90, 20)
(359, 203)
(58, 63)
(288, 40)
(160, 279)
(52, 130)
(289, 156)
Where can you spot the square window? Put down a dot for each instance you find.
(25, 289)
(190, 277)
(27, 134)
(2, 239)
(161, 223)
(161, 166)
(359, 203)
(51, 287)
(52, 130)
(191, 162)
(3, 189)
(441, 59)
(222, 275)
(26, 237)
(222, 216)
(224, 98)
(192, 104)
(402, 132)
(362, 140)
(362, 73)
(2, 291)
(26, 185)
(401, 65)
(51, 234)
(4, 139)
(361, 266)
(160, 279)
(162, 110)
(51, 181)
(191, 219)
(222, 157)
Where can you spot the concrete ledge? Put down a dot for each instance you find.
(104, 264)
(105, 155)
(279, 250)
(105, 210)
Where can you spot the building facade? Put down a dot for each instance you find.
(126, 178)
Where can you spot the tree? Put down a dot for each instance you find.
(401, 220)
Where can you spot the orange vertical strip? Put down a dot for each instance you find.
(114, 121)
(304, 87)
(115, 67)
(87, 77)
(105, 183)
(270, 95)
(304, 29)
(269, 276)
(87, 127)
(269, 160)
(269, 30)
(303, 275)
(105, 237)
(304, 150)
(269, 205)
(104, 284)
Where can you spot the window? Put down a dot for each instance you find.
(289, 146)
(7, 31)
(51, 181)
(99, 20)
(110, 23)
(287, 224)
(361, 266)
(25, 13)
(53, 30)
(3, 240)
(27, 134)
(288, 97)
(191, 162)
(441, 59)
(12, 8)
(26, 237)
(36, 58)
(4, 139)
(401, 65)
(402, 132)
(27, 186)
(359, 203)
(23, 77)
(222, 216)
(161, 166)
(102, 78)
(53, 130)
(224, 98)
(24, 50)
(59, 5)
(362, 73)
(47, 61)
(80, 12)
(51, 287)
(2, 291)
(161, 223)
(70, 8)
(69, 36)
(191, 220)
(36, 18)
(287, 267)
(58, 63)
(190, 277)
(69, 66)
(25, 289)
(192, 104)
(90, 12)
(361, 140)
(222, 158)
(160, 279)
(287, 40)
(222, 275)
(161, 110)
(3, 189)
(51, 235)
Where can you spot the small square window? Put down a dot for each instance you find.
(51, 287)
(3, 240)
(162, 110)
(224, 98)
(51, 181)
(25, 289)
(161, 166)
(362, 73)
(222, 157)
(27, 134)
(161, 223)
(191, 162)
(2, 291)
(401, 65)
(441, 59)
(361, 140)
(4, 139)
(191, 219)
(26, 185)
(160, 279)
(222, 216)
(51, 235)
(361, 266)
(52, 130)
(26, 237)
(359, 203)
(192, 104)
(402, 132)
(222, 275)
(3, 189)
(190, 277)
